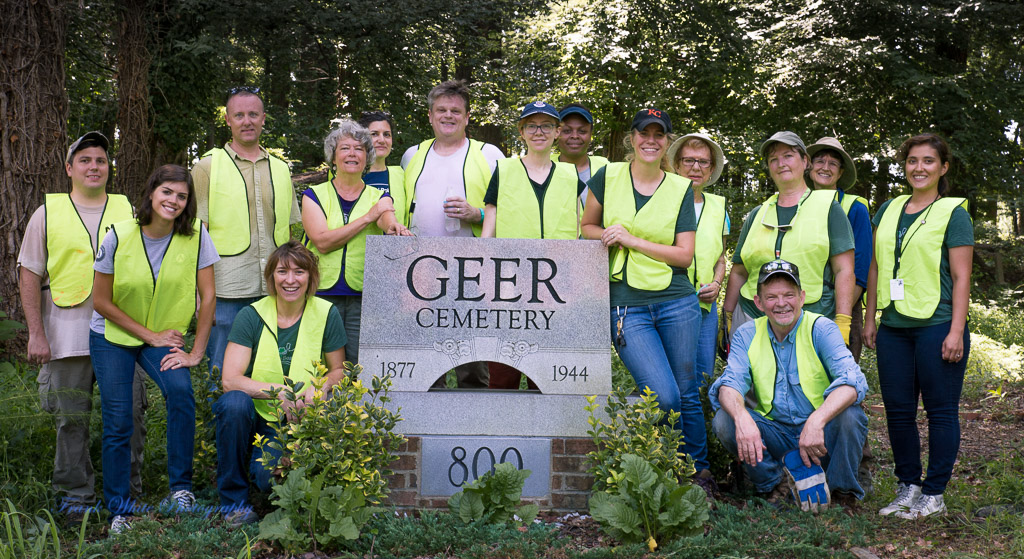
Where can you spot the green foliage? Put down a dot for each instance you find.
(634, 426)
(9, 329)
(26, 439)
(29, 537)
(718, 457)
(308, 513)
(649, 505)
(346, 433)
(190, 535)
(494, 498)
(990, 365)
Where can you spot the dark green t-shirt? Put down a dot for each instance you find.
(840, 237)
(959, 232)
(248, 328)
(621, 294)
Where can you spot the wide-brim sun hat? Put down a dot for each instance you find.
(716, 153)
(783, 137)
(849, 176)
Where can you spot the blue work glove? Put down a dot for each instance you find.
(808, 483)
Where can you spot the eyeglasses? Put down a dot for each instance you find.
(243, 89)
(544, 128)
(826, 162)
(690, 162)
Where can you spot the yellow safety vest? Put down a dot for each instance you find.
(476, 175)
(267, 366)
(69, 250)
(814, 379)
(655, 222)
(921, 259)
(849, 200)
(522, 216)
(596, 162)
(166, 304)
(229, 225)
(806, 244)
(708, 246)
(353, 254)
(396, 188)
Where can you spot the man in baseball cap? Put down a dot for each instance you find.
(807, 406)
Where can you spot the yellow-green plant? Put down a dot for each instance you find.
(494, 498)
(344, 433)
(638, 427)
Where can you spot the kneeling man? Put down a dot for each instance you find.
(790, 385)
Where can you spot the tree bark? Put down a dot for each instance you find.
(33, 130)
(134, 157)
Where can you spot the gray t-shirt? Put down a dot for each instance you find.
(155, 250)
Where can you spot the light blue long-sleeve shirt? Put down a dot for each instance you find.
(790, 405)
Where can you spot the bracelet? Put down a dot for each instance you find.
(481, 215)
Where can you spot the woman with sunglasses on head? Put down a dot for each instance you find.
(382, 176)
(148, 271)
(532, 197)
(920, 278)
(645, 216)
(338, 215)
(806, 227)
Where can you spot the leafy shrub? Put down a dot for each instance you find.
(648, 505)
(990, 364)
(347, 434)
(640, 428)
(494, 498)
(999, 320)
(307, 512)
(36, 537)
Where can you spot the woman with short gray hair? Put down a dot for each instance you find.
(338, 215)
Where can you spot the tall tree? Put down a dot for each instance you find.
(33, 137)
(134, 158)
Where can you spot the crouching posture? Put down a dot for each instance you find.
(279, 335)
(801, 428)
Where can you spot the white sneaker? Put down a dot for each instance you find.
(925, 505)
(180, 501)
(906, 495)
(119, 525)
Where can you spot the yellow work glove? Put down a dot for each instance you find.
(843, 322)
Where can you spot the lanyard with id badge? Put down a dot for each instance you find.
(896, 287)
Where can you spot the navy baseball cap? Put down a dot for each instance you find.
(576, 109)
(778, 267)
(652, 116)
(539, 107)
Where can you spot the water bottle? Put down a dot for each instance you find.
(452, 224)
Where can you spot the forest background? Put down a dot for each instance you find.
(153, 74)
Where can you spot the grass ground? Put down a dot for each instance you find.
(990, 472)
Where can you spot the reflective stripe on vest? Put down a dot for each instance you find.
(353, 254)
(849, 200)
(69, 250)
(267, 367)
(708, 245)
(814, 379)
(229, 225)
(921, 260)
(806, 244)
(476, 175)
(519, 213)
(166, 305)
(655, 222)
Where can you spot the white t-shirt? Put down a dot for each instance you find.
(431, 190)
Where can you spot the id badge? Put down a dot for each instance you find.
(896, 289)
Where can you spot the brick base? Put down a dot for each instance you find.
(570, 482)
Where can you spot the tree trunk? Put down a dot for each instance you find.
(34, 109)
(134, 157)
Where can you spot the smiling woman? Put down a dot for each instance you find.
(148, 271)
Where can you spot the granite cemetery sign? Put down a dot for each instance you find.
(540, 306)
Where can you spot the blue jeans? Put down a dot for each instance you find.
(237, 458)
(223, 318)
(707, 345)
(661, 341)
(844, 441)
(910, 364)
(114, 366)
